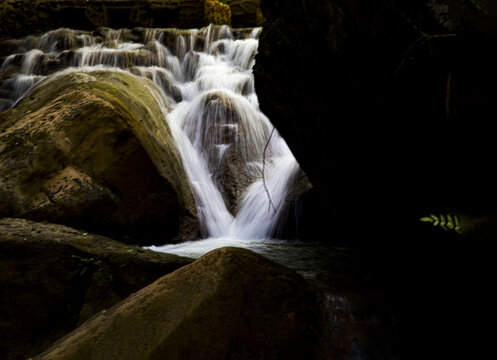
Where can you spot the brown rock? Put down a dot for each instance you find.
(93, 151)
(231, 303)
(53, 278)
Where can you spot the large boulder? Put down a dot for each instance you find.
(93, 151)
(231, 303)
(53, 278)
(372, 97)
(389, 108)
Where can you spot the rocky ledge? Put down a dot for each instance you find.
(26, 17)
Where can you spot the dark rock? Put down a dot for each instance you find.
(295, 221)
(357, 319)
(24, 17)
(388, 107)
(243, 12)
(373, 96)
(53, 278)
(231, 303)
(93, 151)
(222, 127)
(232, 177)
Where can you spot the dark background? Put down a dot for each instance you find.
(390, 108)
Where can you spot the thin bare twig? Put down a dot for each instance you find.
(271, 204)
(448, 97)
(422, 39)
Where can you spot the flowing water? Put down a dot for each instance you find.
(240, 169)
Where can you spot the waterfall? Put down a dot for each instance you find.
(239, 168)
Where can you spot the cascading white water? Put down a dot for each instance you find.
(222, 73)
(209, 100)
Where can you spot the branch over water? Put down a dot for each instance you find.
(271, 204)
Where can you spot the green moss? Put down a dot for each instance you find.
(131, 95)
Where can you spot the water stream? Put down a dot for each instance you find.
(240, 168)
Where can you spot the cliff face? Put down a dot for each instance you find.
(22, 17)
(386, 105)
(26, 17)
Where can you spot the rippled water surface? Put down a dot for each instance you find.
(307, 258)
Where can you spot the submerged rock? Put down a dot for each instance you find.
(53, 278)
(231, 303)
(92, 150)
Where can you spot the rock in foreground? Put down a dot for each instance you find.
(53, 278)
(231, 303)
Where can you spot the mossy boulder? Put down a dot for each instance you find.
(53, 278)
(93, 151)
(229, 304)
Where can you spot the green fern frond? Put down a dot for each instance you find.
(445, 221)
